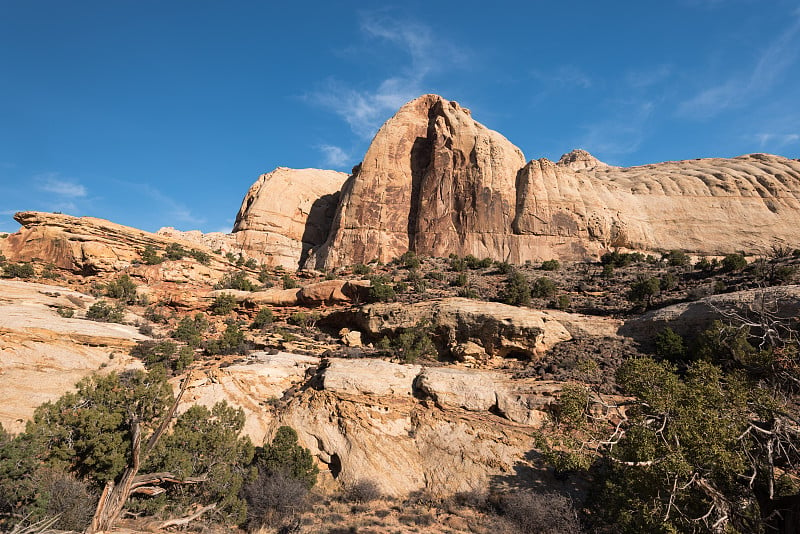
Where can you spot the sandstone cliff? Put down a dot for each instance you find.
(286, 213)
(435, 181)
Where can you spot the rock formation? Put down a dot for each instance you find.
(87, 245)
(286, 213)
(435, 181)
(43, 355)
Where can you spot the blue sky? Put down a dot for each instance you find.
(162, 113)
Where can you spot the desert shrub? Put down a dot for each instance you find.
(185, 358)
(364, 490)
(667, 282)
(457, 264)
(272, 499)
(562, 302)
(201, 257)
(546, 513)
(63, 496)
(284, 455)
(643, 290)
(150, 256)
(190, 330)
(676, 258)
(461, 280)
(475, 264)
(65, 312)
(704, 265)
(517, 290)
(230, 342)
(503, 267)
(410, 260)
(435, 275)
(49, 272)
(543, 288)
(304, 320)
(607, 272)
(733, 262)
(122, 289)
(669, 345)
(18, 270)
(154, 353)
(207, 442)
(414, 343)
(361, 269)
(417, 282)
(104, 312)
(380, 290)
(251, 263)
(223, 304)
(468, 293)
(289, 282)
(175, 252)
(262, 318)
(237, 280)
(230, 257)
(550, 265)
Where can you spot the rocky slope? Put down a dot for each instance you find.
(43, 355)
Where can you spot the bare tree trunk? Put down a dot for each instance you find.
(114, 496)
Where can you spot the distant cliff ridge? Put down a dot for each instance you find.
(437, 182)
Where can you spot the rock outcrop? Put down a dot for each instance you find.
(501, 330)
(87, 245)
(775, 308)
(435, 181)
(43, 354)
(286, 213)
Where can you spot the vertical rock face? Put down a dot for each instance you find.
(434, 181)
(286, 213)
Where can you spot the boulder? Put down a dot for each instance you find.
(501, 330)
(464, 388)
(369, 377)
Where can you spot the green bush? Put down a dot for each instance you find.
(669, 345)
(175, 252)
(474, 263)
(303, 319)
(361, 269)
(289, 282)
(230, 342)
(262, 318)
(413, 343)
(150, 256)
(104, 312)
(238, 281)
(204, 258)
(550, 265)
(676, 258)
(154, 353)
(517, 290)
(223, 304)
(122, 289)
(251, 263)
(733, 262)
(461, 280)
(543, 288)
(380, 290)
(503, 267)
(18, 270)
(643, 290)
(283, 454)
(410, 260)
(65, 312)
(457, 264)
(668, 282)
(190, 330)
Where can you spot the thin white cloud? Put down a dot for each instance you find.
(774, 140)
(169, 207)
(618, 136)
(566, 76)
(334, 156)
(366, 109)
(65, 188)
(9, 212)
(774, 61)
